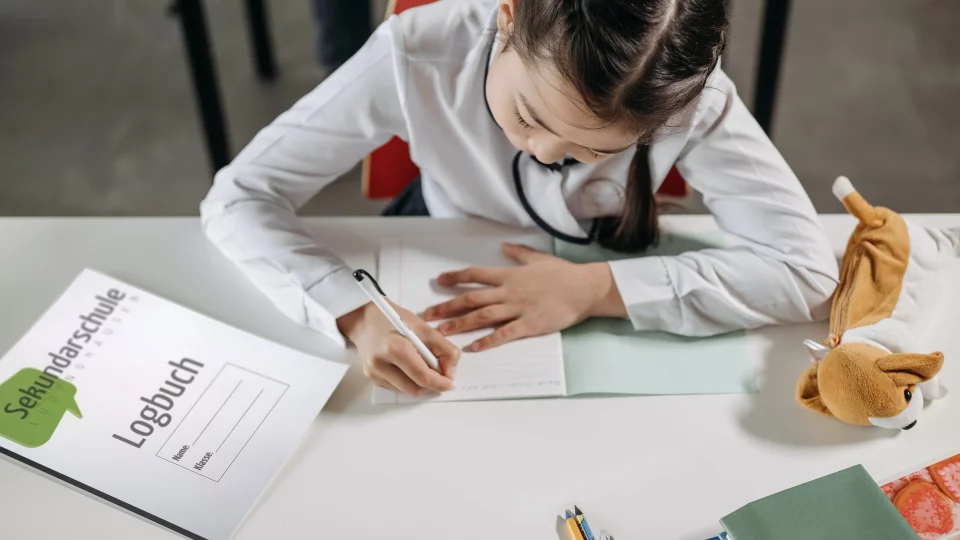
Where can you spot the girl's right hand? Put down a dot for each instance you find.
(390, 360)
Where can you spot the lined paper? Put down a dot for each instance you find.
(531, 367)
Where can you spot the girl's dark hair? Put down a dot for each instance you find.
(636, 61)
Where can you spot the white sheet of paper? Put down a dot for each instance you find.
(525, 368)
(179, 418)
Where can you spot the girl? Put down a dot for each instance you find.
(562, 114)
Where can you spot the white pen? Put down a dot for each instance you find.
(379, 298)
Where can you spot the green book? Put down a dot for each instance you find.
(845, 504)
(607, 356)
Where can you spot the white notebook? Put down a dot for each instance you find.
(598, 356)
(525, 368)
(157, 409)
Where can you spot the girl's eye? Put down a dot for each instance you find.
(593, 154)
(523, 123)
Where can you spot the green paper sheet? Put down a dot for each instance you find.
(845, 504)
(607, 356)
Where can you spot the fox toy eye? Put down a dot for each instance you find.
(907, 395)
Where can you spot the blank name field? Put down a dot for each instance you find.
(225, 417)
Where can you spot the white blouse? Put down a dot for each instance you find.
(421, 77)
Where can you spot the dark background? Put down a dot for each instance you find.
(97, 115)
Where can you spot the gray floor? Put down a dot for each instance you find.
(97, 115)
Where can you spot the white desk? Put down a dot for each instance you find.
(649, 467)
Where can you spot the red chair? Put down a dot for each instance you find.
(388, 169)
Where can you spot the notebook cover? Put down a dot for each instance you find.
(846, 504)
(608, 356)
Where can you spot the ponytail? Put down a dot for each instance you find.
(636, 228)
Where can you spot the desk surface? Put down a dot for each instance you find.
(663, 467)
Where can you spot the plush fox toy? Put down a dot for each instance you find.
(866, 372)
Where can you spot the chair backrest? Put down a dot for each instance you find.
(388, 169)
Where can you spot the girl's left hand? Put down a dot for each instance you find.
(546, 294)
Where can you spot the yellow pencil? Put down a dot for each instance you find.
(572, 529)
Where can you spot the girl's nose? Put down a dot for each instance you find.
(547, 150)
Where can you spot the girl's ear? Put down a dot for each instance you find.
(908, 368)
(505, 16)
(808, 391)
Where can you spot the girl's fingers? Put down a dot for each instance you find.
(405, 357)
(523, 254)
(484, 317)
(447, 353)
(393, 376)
(476, 274)
(508, 332)
(465, 302)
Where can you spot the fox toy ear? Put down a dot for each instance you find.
(808, 392)
(907, 368)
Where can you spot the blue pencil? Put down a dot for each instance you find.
(582, 523)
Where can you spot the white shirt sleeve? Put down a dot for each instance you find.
(780, 267)
(250, 213)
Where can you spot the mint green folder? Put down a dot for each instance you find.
(844, 505)
(607, 356)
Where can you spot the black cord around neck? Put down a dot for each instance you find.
(518, 184)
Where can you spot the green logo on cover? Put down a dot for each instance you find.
(32, 404)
